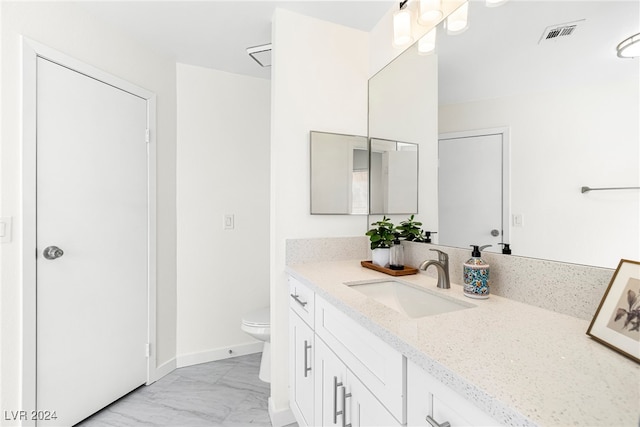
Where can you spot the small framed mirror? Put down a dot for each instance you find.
(339, 174)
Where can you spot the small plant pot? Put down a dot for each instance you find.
(380, 256)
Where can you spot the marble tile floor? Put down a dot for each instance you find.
(222, 393)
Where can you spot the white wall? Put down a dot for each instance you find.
(64, 27)
(222, 168)
(319, 82)
(561, 141)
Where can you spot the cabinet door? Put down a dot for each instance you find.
(376, 363)
(301, 375)
(331, 377)
(345, 400)
(363, 409)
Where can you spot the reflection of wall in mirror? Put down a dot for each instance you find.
(330, 174)
(360, 182)
(560, 141)
(401, 181)
(403, 104)
(339, 174)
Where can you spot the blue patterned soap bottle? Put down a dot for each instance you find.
(476, 275)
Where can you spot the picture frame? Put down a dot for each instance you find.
(616, 323)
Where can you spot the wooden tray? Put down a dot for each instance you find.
(406, 271)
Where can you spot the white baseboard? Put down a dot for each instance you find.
(282, 417)
(164, 369)
(218, 354)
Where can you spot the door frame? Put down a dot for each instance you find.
(506, 168)
(31, 50)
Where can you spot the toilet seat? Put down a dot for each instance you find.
(257, 319)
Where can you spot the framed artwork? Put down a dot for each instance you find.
(616, 323)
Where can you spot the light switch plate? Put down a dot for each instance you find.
(517, 220)
(228, 222)
(5, 229)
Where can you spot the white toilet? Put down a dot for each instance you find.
(258, 325)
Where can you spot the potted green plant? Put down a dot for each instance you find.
(411, 230)
(381, 237)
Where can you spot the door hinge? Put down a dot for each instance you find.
(146, 136)
(147, 350)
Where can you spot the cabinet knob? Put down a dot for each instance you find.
(434, 423)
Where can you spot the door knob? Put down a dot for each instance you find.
(495, 233)
(52, 252)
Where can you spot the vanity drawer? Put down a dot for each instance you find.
(428, 397)
(376, 364)
(301, 300)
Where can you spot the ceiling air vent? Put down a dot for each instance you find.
(558, 31)
(261, 54)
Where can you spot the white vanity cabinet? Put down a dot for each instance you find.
(301, 353)
(339, 373)
(431, 403)
(342, 374)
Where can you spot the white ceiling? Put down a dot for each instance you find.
(500, 44)
(215, 33)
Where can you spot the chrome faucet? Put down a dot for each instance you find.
(442, 265)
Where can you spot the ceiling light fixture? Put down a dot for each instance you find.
(630, 47)
(430, 11)
(458, 21)
(402, 26)
(261, 54)
(427, 44)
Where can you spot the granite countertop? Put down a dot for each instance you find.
(521, 364)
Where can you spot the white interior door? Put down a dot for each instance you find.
(92, 204)
(470, 191)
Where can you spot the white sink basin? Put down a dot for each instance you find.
(407, 299)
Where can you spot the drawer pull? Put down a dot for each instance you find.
(336, 384)
(344, 407)
(434, 423)
(307, 368)
(298, 300)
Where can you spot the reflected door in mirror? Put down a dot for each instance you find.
(470, 193)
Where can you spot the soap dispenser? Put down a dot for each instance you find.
(396, 255)
(506, 250)
(427, 236)
(476, 275)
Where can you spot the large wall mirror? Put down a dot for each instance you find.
(570, 108)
